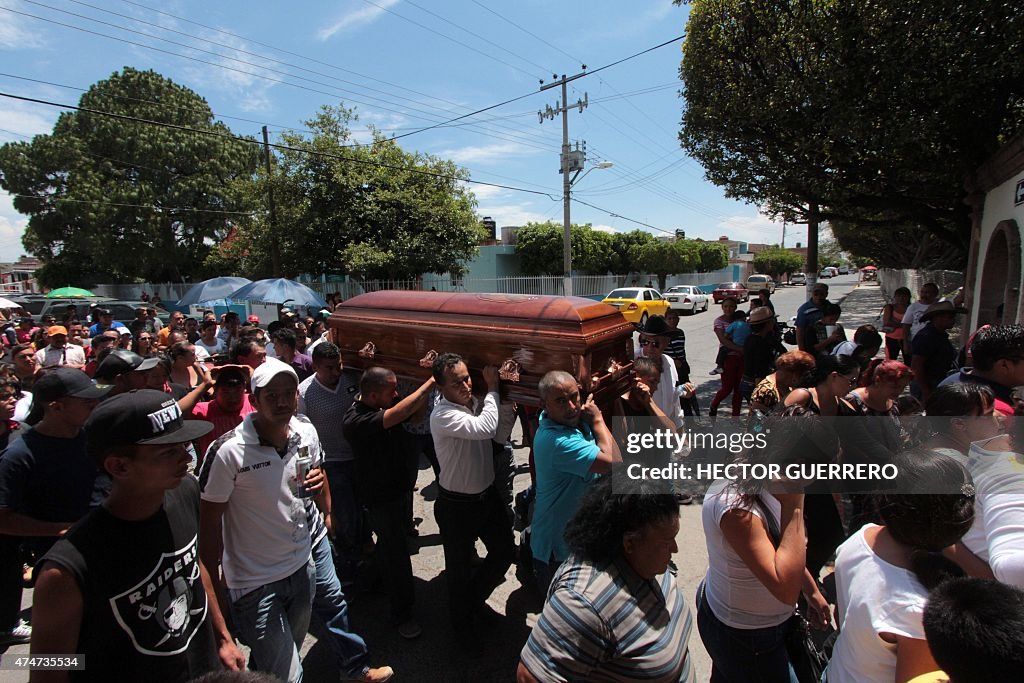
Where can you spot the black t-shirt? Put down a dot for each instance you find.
(47, 478)
(757, 357)
(385, 458)
(938, 352)
(145, 615)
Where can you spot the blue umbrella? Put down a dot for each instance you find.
(214, 288)
(279, 291)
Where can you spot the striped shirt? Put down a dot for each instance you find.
(605, 623)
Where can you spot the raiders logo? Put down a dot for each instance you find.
(162, 612)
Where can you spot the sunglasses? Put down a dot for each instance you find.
(7, 396)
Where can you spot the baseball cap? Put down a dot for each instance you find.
(270, 369)
(57, 329)
(60, 382)
(24, 320)
(230, 376)
(143, 416)
(102, 311)
(121, 361)
(254, 319)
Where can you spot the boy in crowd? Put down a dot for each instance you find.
(133, 564)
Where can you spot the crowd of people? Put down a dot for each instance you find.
(175, 489)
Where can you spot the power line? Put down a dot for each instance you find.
(168, 209)
(287, 148)
(625, 218)
(165, 104)
(476, 35)
(454, 40)
(286, 52)
(533, 35)
(506, 135)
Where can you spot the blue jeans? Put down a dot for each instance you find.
(348, 649)
(273, 619)
(350, 526)
(744, 655)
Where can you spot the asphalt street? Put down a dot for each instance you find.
(434, 656)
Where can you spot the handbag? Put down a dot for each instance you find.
(809, 650)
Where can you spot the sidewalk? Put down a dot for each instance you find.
(862, 306)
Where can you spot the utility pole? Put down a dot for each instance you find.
(570, 161)
(275, 248)
(783, 245)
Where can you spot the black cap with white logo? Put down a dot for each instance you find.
(144, 416)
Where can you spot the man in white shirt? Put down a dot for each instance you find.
(469, 505)
(208, 339)
(253, 521)
(59, 353)
(912, 317)
(654, 339)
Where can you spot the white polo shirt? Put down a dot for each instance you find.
(266, 532)
(70, 354)
(462, 440)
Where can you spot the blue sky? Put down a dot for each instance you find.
(405, 65)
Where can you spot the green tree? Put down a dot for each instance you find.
(540, 247)
(113, 200)
(670, 257)
(627, 248)
(372, 210)
(711, 256)
(776, 261)
(869, 115)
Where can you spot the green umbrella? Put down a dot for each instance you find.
(66, 292)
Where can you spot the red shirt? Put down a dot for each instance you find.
(223, 422)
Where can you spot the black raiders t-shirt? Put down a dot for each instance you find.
(145, 611)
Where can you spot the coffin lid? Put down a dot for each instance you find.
(570, 309)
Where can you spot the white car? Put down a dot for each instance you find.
(686, 298)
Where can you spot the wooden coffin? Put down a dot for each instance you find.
(524, 335)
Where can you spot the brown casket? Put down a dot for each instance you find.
(524, 335)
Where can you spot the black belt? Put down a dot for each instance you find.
(463, 497)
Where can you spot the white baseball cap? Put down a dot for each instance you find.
(268, 370)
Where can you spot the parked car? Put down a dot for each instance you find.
(756, 283)
(637, 304)
(686, 299)
(124, 311)
(844, 270)
(798, 279)
(39, 306)
(825, 273)
(736, 290)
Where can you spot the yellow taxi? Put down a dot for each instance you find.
(637, 304)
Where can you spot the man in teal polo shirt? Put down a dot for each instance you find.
(572, 444)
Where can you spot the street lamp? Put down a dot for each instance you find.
(567, 183)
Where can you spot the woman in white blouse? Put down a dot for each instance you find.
(884, 573)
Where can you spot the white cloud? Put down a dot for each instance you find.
(485, 192)
(483, 154)
(511, 214)
(19, 119)
(359, 17)
(603, 228)
(248, 86)
(15, 31)
(12, 226)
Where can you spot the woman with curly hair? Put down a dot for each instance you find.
(885, 572)
(614, 611)
(792, 370)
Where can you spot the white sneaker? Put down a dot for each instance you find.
(21, 634)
